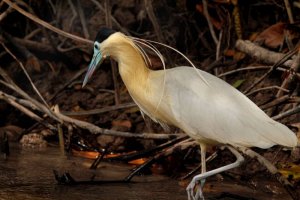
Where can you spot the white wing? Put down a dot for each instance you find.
(217, 113)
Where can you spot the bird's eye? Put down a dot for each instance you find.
(96, 46)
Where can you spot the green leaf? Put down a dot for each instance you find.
(238, 83)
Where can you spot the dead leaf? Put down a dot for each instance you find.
(33, 63)
(273, 36)
(123, 123)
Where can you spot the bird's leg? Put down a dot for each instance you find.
(190, 188)
(203, 169)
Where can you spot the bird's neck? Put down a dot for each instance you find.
(132, 67)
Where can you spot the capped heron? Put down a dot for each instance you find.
(205, 107)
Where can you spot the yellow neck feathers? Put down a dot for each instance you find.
(132, 67)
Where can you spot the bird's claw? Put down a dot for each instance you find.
(190, 191)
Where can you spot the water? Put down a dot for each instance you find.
(28, 174)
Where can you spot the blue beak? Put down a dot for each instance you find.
(96, 61)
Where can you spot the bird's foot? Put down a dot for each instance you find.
(194, 184)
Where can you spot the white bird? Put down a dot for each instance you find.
(205, 107)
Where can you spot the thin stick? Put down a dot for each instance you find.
(289, 11)
(156, 26)
(61, 139)
(275, 102)
(99, 111)
(294, 68)
(210, 26)
(11, 85)
(287, 113)
(5, 13)
(13, 101)
(253, 68)
(77, 75)
(26, 74)
(74, 12)
(151, 15)
(82, 20)
(280, 62)
(112, 18)
(216, 71)
(267, 88)
(113, 63)
(47, 25)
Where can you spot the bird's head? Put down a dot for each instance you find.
(98, 57)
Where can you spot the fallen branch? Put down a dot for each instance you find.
(97, 130)
(260, 53)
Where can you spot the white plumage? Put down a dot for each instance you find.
(208, 109)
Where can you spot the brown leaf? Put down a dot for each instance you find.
(273, 36)
(124, 123)
(33, 63)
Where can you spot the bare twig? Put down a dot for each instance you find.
(74, 12)
(99, 111)
(275, 102)
(216, 71)
(157, 29)
(114, 68)
(82, 20)
(289, 11)
(210, 26)
(13, 101)
(294, 68)
(112, 18)
(267, 88)
(36, 46)
(47, 25)
(275, 66)
(77, 75)
(61, 139)
(151, 15)
(5, 13)
(32, 34)
(254, 68)
(287, 113)
(26, 74)
(10, 84)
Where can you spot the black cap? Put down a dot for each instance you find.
(103, 34)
